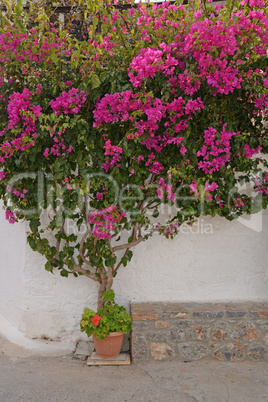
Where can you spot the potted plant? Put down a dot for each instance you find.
(107, 326)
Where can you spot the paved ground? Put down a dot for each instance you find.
(29, 378)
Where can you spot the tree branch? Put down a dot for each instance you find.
(148, 206)
(128, 245)
(78, 268)
(59, 241)
(120, 262)
(81, 248)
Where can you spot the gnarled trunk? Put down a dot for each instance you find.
(106, 284)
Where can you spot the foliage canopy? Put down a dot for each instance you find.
(158, 104)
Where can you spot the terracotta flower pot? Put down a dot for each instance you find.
(110, 347)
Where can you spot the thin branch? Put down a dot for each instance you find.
(81, 248)
(78, 268)
(152, 178)
(148, 206)
(95, 241)
(134, 231)
(58, 82)
(59, 241)
(120, 262)
(86, 212)
(128, 245)
(110, 245)
(110, 278)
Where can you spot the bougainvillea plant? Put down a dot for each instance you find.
(157, 104)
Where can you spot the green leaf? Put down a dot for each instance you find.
(32, 243)
(34, 225)
(95, 81)
(48, 267)
(129, 255)
(95, 21)
(155, 213)
(55, 58)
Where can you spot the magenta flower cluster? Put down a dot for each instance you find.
(151, 61)
(11, 216)
(125, 105)
(115, 152)
(165, 189)
(262, 184)
(59, 147)
(105, 221)
(168, 230)
(22, 116)
(68, 102)
(17, 192)
(205, 53)
(207, 190)
(215, 152)
(204, 35)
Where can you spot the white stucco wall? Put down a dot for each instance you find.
(221, 261)
(12, 261)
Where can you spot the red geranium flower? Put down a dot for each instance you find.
(96, 319)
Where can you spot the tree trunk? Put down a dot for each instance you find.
(105, 285)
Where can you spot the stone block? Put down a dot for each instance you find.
(235, 312)
(209, 312)
(144, 316)
(193, 351)
(245, 331)
(229, 352)
(162, 324)
(176, 335)
(161, 351)
(257, 352)
(221, 324)
(219, 335)
(259, 314)
(83, 350)
(265, 339)
(156, 336)
(182, 323)
(259, 311)
(144, 311)
(198, 333)
(125, 346)
(175, 311)
(141, 326)
(263, 324)
(139, 349)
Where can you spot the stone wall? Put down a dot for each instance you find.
(192, 331)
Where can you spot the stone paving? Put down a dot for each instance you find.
(25, 377)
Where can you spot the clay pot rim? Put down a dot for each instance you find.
(111, 334)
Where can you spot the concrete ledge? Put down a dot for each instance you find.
(192, 331)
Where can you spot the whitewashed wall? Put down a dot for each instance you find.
(221, 261)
